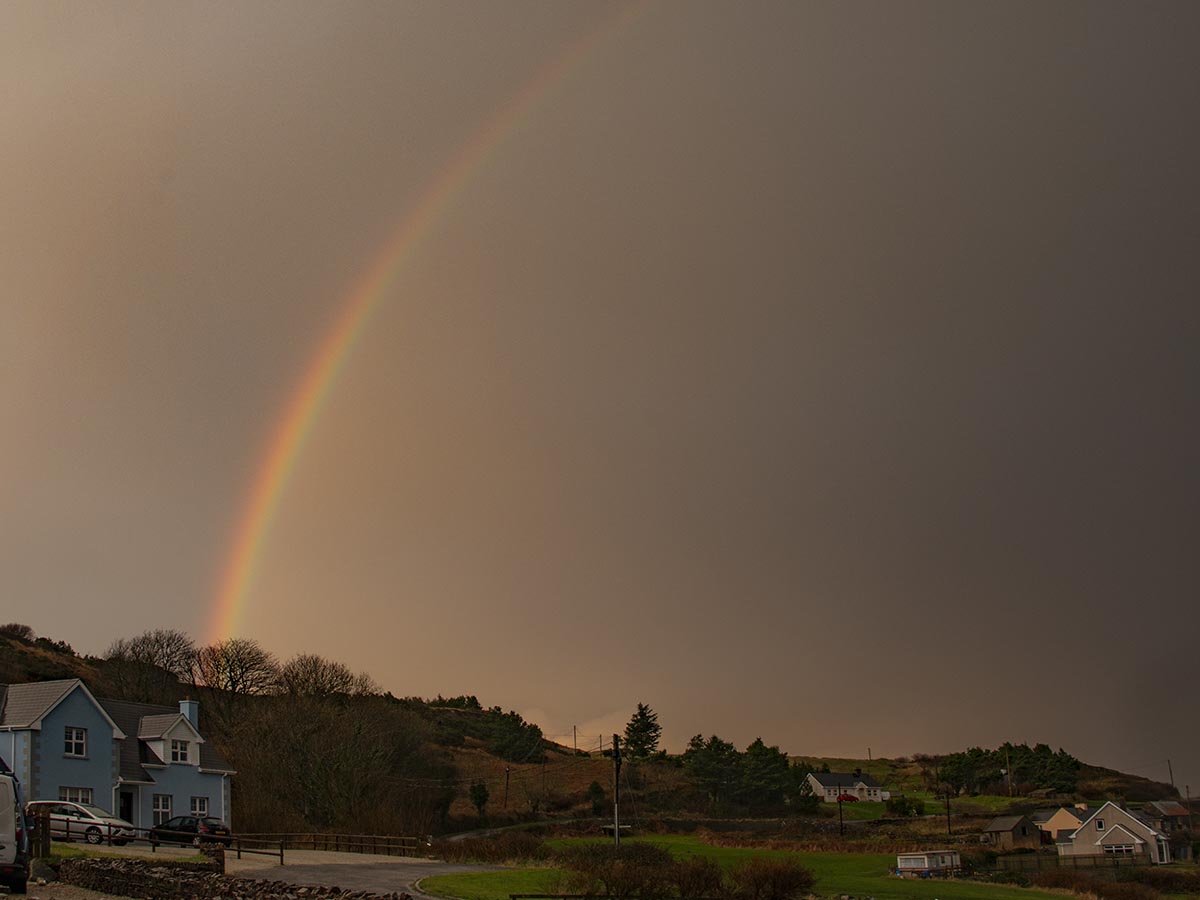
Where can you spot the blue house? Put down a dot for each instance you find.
(145, 763)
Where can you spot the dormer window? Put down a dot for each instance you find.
(179, 751)
(1099, 824)
(75, 743)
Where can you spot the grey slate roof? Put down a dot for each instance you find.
(24, 704)
(1004, 823)
(844, 779)
(153, 727)
(129, 717)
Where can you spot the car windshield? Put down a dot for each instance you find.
(214, 822)
(95, 811)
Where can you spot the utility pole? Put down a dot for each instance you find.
(869, 755)
(1171, 772)
(506, 787)
(1187, 792)
(841, 821)
(616, 791)
(1008, 771)
(575, 738)
(947, 810)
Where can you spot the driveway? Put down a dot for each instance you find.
(348, 871)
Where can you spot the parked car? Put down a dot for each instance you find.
(847, 798)
(191, 830)
(82, 822)
(14, 855)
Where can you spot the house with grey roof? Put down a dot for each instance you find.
(1012, 832)
(828, 786)
(1114, 832)
(143, 762)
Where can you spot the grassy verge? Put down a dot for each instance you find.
(858, 874)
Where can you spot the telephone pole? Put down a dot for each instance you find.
(506, 787)
(1187, 792)
(841, 821)
(616, 791)
(1171, 772)
(575, 738)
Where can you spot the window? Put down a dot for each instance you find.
(179, 751)
(162, 808)
(200, 806)
(1119, 849)
(75, 795)
(1099, 824)
(76, 742)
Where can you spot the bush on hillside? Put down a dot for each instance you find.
(18, 631)
(760, 878)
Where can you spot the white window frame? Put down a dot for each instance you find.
(1120, 849)
(1099, 824)
(179, 751)
(162, 808)
(75, 742)
(81, 795)
(200, 807)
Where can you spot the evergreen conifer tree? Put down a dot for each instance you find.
(642, 733)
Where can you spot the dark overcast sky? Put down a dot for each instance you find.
(824, 371)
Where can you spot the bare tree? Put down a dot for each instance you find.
(309, 675)
(238, 666)
(151, 666)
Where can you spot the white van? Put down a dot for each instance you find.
(14, 853)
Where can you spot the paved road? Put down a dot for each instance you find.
(349, 871)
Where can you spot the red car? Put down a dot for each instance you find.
(847, 798)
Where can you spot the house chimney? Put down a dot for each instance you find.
(858, 772)
(191, 709)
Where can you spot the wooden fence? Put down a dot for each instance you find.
(378, 844)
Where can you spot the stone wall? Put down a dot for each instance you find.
(154, 880)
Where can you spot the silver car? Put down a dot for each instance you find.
(81, 822)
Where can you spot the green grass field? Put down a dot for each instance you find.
(859, 874)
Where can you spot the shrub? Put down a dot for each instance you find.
(1167, 880)
(631, 870)
(1067, 880)
(759, 878)
(18, 631)
(1126, 890)
(511, 846)
(698, 876)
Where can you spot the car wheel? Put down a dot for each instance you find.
(93, 836)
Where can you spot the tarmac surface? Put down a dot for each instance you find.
(326, 868)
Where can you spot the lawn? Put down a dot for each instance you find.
(858, 874)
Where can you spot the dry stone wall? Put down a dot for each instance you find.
(153, 880)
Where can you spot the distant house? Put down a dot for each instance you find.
(1012, 833)
(927, 862)
(145, 763)
(1111, 831)
(1166, 815)
(828, 786)
(1063, 818)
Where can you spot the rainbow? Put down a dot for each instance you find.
(304, 406)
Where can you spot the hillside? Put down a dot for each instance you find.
(416, 760)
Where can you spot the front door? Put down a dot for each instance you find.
(125, 806)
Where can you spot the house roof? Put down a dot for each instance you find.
(844, 779)
(24, 704)
(1167, 808)
(1004, 823)
(131, 717)
(153, 727)
(1119, 811)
